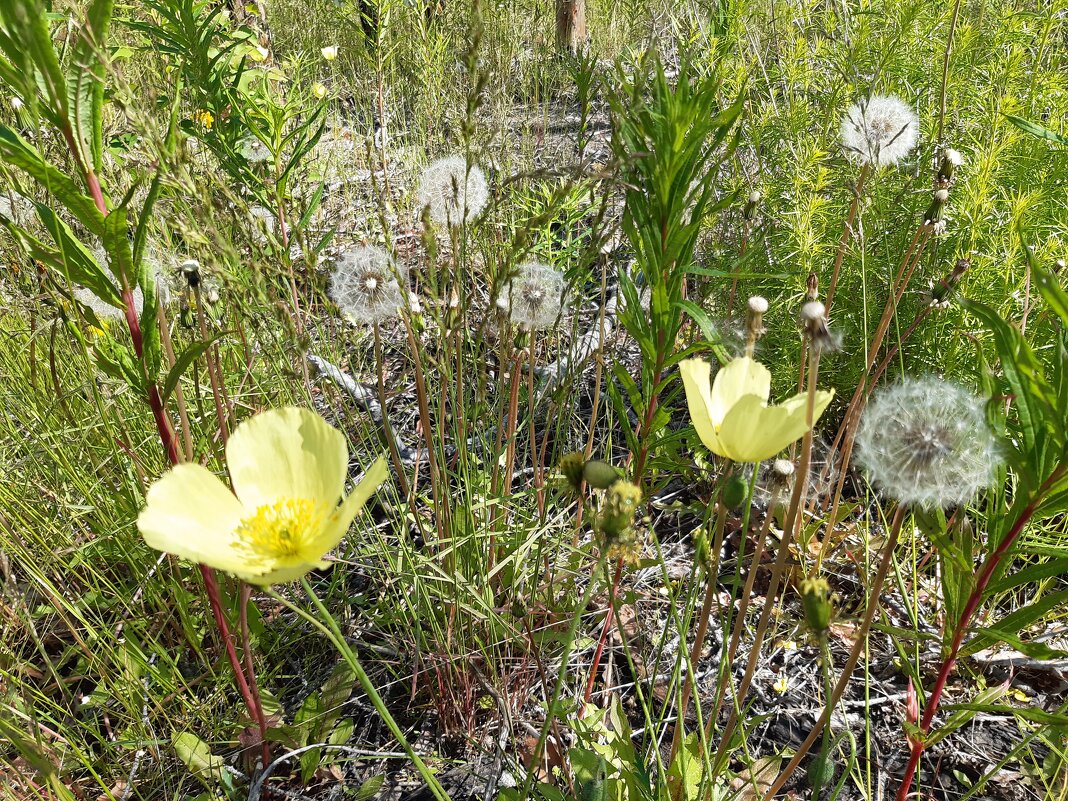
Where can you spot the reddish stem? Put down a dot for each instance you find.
(976, 597)
(607, 627)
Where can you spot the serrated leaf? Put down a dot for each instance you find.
(196, 755)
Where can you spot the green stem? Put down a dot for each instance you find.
(329, 627)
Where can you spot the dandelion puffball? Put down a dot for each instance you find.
(926, 441)
(451, 192)
(366, 284)
(534, 297)
(879, 131)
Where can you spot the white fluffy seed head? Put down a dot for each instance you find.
(953, 157)
(926, 442)
(366, 284)
(758, 305)
(879, 131)
(813, 311)
(452, 193)
(941, 195)
(534, 297)
(754, 196)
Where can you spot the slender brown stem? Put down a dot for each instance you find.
(213, 373)
(847, 233)
(387, 429)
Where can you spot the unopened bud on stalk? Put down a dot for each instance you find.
(749, 213)
(191, 271)
(817, 603)
(599, 474)
(812, 286)
(951, 159)
(939, 293)
(814, 324)
(571, 468)
(754, 322)
(934, 213)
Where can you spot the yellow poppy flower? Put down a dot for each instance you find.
(732, 416)
(288, 468)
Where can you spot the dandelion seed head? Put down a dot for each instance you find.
(880, 131)
(366, 284)
(758, 305)
(534, 298)
(451, 192)
(254, 151)
(953, 157)
(926, 442)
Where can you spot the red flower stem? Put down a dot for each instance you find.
(976, 597)
(170, 446)
(607, 627)
(250, 668)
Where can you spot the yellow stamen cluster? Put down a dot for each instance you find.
(280, 530)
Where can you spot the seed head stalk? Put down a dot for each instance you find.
(791, 528)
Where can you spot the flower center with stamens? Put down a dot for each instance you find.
(279, 530)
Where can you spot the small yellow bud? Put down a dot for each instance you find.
(329, 53)
(319, 90)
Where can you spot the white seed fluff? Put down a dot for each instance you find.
(926, 441)
(880, 131)
(366, 284)
(452, 193)
(534, 297)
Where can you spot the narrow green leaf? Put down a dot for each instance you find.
(17, 152)
(183, 362)
(1016, 621)
(1033, 128)
(76, 261)
(86, 74)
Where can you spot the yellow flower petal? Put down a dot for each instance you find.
(287, 453)
(342, 518)
(695, 379)
(752, 432)
(282, 574)
(736, 379)
(190, 513)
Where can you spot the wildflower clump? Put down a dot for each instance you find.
(287, 468)
(366, 284)
(534, 297)
(880, 131)
(452, 191)
(926, 441)
(732, 416)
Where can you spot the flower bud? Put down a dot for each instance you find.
(734, 492)
(570, 467)
(817, 603)
(329, 53)
(599, 474)
(749, 213)
(951, 159)
(814, 324)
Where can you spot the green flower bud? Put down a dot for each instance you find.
(817, 603)
(734, 492)
(820, 771)
(599, 474)
(570, 466)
